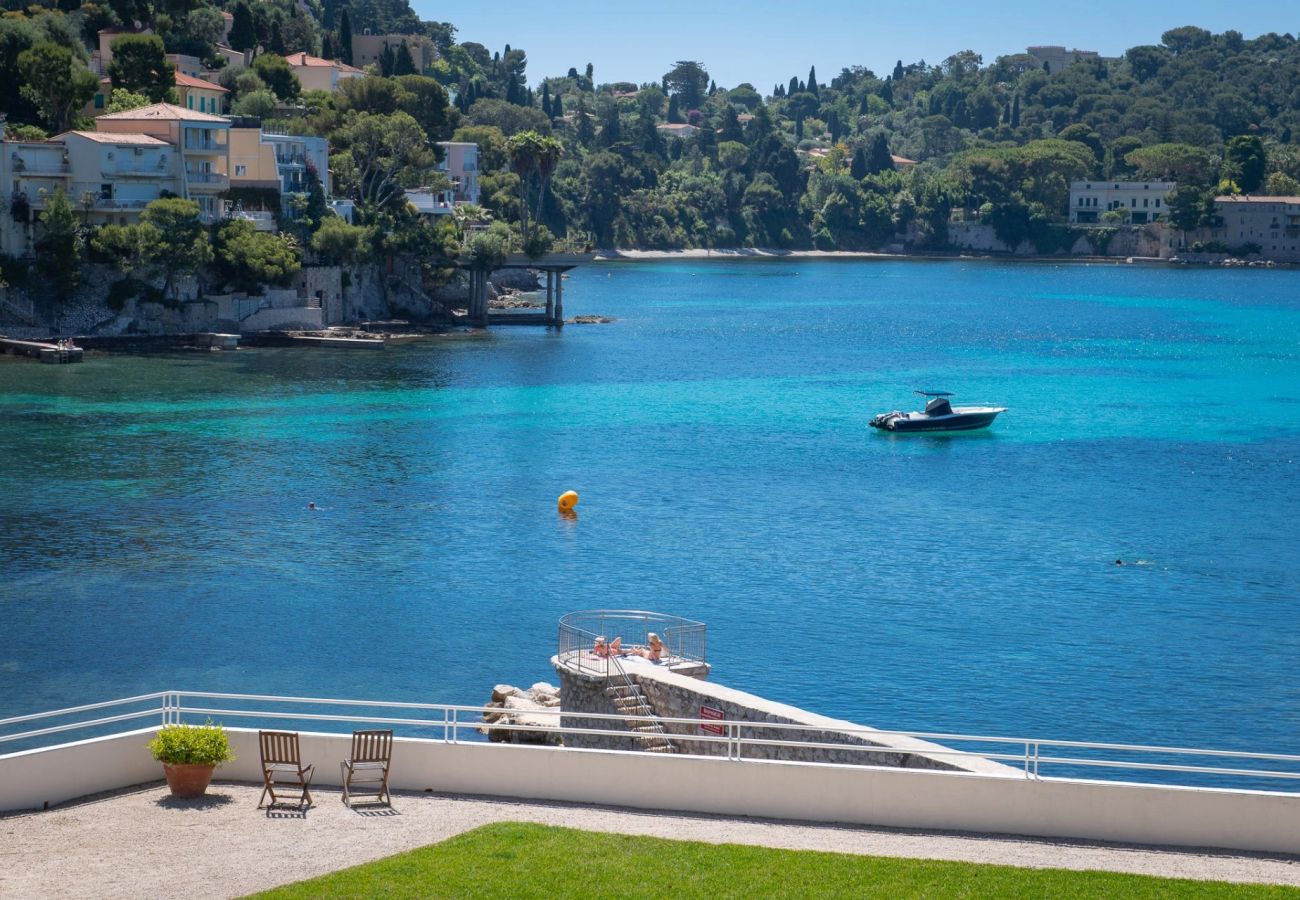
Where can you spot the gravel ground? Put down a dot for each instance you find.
(143, 843)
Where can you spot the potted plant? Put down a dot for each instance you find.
(189, 753)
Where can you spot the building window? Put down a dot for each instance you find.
(240, 171)
(106, 192)
(190, 101)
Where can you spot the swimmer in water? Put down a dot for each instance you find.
(311, 505)
(1119, 562)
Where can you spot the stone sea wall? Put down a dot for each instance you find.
(673, 695)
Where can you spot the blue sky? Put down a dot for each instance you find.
(764, 42)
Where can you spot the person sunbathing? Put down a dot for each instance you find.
(655, 651)
(605, 650)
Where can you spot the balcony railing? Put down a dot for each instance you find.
(201, 146)
(744, 741)
(214, 180)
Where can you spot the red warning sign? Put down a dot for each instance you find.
(709, 712)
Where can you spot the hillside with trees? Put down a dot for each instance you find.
(860, 161)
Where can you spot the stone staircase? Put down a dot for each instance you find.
(630, 701)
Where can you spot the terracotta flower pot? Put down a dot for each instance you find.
(188, 780)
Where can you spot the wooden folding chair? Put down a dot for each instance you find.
(282, 764)
(372, 754)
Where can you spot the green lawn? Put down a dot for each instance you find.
(519, 860)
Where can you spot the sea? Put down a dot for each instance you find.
(155, 529)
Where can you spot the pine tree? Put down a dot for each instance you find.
(812, 81)
(345, 37)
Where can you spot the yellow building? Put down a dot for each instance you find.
(200, 95)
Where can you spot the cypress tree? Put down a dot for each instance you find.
(879, 160)
(243, 33)
(858, 168)
(794, 85)
(812, 81)
(327, 46)
(404, 63)
(898, 70)
(277, 39)
(713, 88)
(731, 130)
(330, 13)
(833, 125)
(864, 107)
(674, 112)
(546, 99)
(387, 61)
(887, 92)
(557, 107)
(1015, 111)
(345, 37)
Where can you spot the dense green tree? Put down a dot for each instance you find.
(690, 81)
(1176, 162)
(121, 100)
(276, 73)
(56, 83)
(243, 33)
(130, 247)
(1244, 162)
(59, 244)
(338, 243)
(812, 81)
(247, 258)
(379, 156)
(139, 64)
(183, 246)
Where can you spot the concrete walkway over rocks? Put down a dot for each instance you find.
(143, 843)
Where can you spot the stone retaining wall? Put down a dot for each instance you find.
(673, 695)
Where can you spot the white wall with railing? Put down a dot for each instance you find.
(446, 758)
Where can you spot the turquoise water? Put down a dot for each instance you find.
(154, 530)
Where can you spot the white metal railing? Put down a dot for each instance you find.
(448, 722)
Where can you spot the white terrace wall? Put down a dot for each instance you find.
(903, 798)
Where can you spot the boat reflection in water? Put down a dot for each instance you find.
(939, 415)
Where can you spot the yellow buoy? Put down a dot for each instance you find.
(568, 500)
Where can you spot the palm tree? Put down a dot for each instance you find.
(534, 158)
(464, 215)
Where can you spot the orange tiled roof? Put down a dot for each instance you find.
(303, 60)
(183, 80)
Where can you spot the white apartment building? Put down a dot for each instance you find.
(1271, 222)
(109, 179)
(1140, 201)
(201, 140)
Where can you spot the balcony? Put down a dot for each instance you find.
(207, 181)
(198, 145)
(39, 166)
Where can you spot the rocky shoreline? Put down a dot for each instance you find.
(524, 708)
